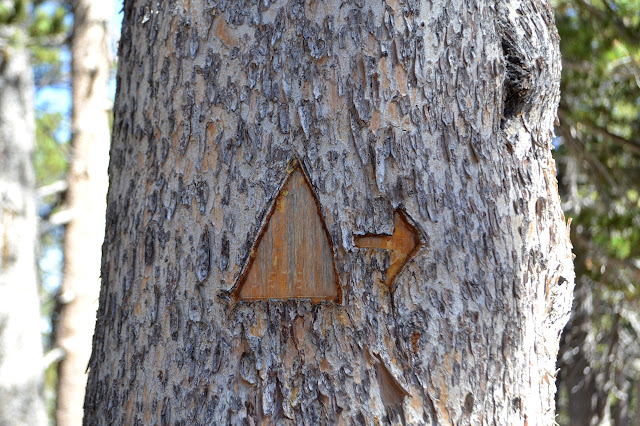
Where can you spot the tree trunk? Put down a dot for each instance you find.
(86, 198)
(420, 131)
(21, 369)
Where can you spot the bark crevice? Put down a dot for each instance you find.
(518, 79)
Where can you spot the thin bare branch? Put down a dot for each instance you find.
(52, 189)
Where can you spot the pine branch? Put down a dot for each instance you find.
(630, 144)
(629, 34)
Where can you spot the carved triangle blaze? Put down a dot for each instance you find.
(293, 256)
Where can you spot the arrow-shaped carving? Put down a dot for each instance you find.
(402, 245)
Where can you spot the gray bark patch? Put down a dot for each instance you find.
(204, 256)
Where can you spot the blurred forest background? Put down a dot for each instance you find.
(598, 161)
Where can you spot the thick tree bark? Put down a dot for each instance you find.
(441, 111)
(21, 369)
(86, 199)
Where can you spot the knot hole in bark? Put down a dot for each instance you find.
(518, 79)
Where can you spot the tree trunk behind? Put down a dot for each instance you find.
(86, 198)
(21, 369)
(432, 119)
(585, 403)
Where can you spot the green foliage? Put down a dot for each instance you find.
(43, 18)
(599, 173)
(48, 31)
(45, 24)
(51, 156)
(42, 26)
(13, 12)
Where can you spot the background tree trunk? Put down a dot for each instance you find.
(21, 369)
(86, 198)
(584, 402)
(443, 111)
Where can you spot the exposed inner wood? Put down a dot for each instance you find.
(391, 392)
(402, 245)
(293, 258)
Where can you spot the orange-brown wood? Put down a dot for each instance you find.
(402, 245)
(293, 257)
